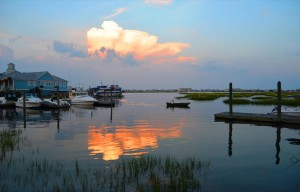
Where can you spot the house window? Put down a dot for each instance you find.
(56, 83)
(28, 83)
(60, 83)
(51, 83)
(34, 83)
(65, 84)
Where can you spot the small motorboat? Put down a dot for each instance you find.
(54, 103)
(6, 103)
(81, 98)
(287, 111)
(182, 104)
(31, 101)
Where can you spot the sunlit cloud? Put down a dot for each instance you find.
(139, 44)
(117, 12)
(158, 2)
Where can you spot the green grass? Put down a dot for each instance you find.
(203, 96)
(246, 98)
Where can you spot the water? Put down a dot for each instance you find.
(243, 157)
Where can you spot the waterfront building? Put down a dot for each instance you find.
(185, 90)
(45, 82)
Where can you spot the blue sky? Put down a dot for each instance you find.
(145, 44)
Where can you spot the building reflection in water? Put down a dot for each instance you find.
(134, 140)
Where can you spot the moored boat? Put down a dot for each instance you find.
(81, 98)
(31, 101)
(287, 111)
(6, 103)
(55, 103)
(182, 104)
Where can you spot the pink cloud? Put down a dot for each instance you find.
(139, 44)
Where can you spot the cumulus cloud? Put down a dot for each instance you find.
(158, 2)
(68, 48)
(139, 44)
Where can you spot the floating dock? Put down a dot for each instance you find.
(255, 117)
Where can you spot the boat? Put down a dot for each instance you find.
(287, 111)
(182, 104)
(8, 100)
(81, 98)
(105, 103)
(107, 91)
(55, 103)
(6, 103)
(31, 101)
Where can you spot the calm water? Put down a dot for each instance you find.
(243, 157)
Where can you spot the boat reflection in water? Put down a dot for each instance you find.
(134, 140)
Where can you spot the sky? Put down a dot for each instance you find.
(155, 44)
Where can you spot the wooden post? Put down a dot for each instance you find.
(57, 92)
(279, 99)
(230, 98)
(24, 109)
(24, 98)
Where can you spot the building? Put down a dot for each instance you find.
(14, 80)
(185, 90)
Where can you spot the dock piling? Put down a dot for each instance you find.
(230, 98)
(279, 99)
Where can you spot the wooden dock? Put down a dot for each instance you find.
(256, 117)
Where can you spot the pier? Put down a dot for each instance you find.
(274, 119)
(256, 117)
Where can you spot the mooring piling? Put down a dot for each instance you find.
(279, 99)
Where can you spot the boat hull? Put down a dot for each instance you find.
(28, 104)
(85, 103)
(181, 105)
(54, 104)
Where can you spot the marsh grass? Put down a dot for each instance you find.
(247, 98)
(147, 173)
(10, 140)
(203, 96)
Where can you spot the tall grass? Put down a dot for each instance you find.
(147, 173)
(10, 140)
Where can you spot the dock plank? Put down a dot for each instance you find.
(256, 117)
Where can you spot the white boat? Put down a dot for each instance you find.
(81, 98)
(287, 111)
(30, 102)
(54, 103)
(6, 103)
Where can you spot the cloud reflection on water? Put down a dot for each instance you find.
(133, 140)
